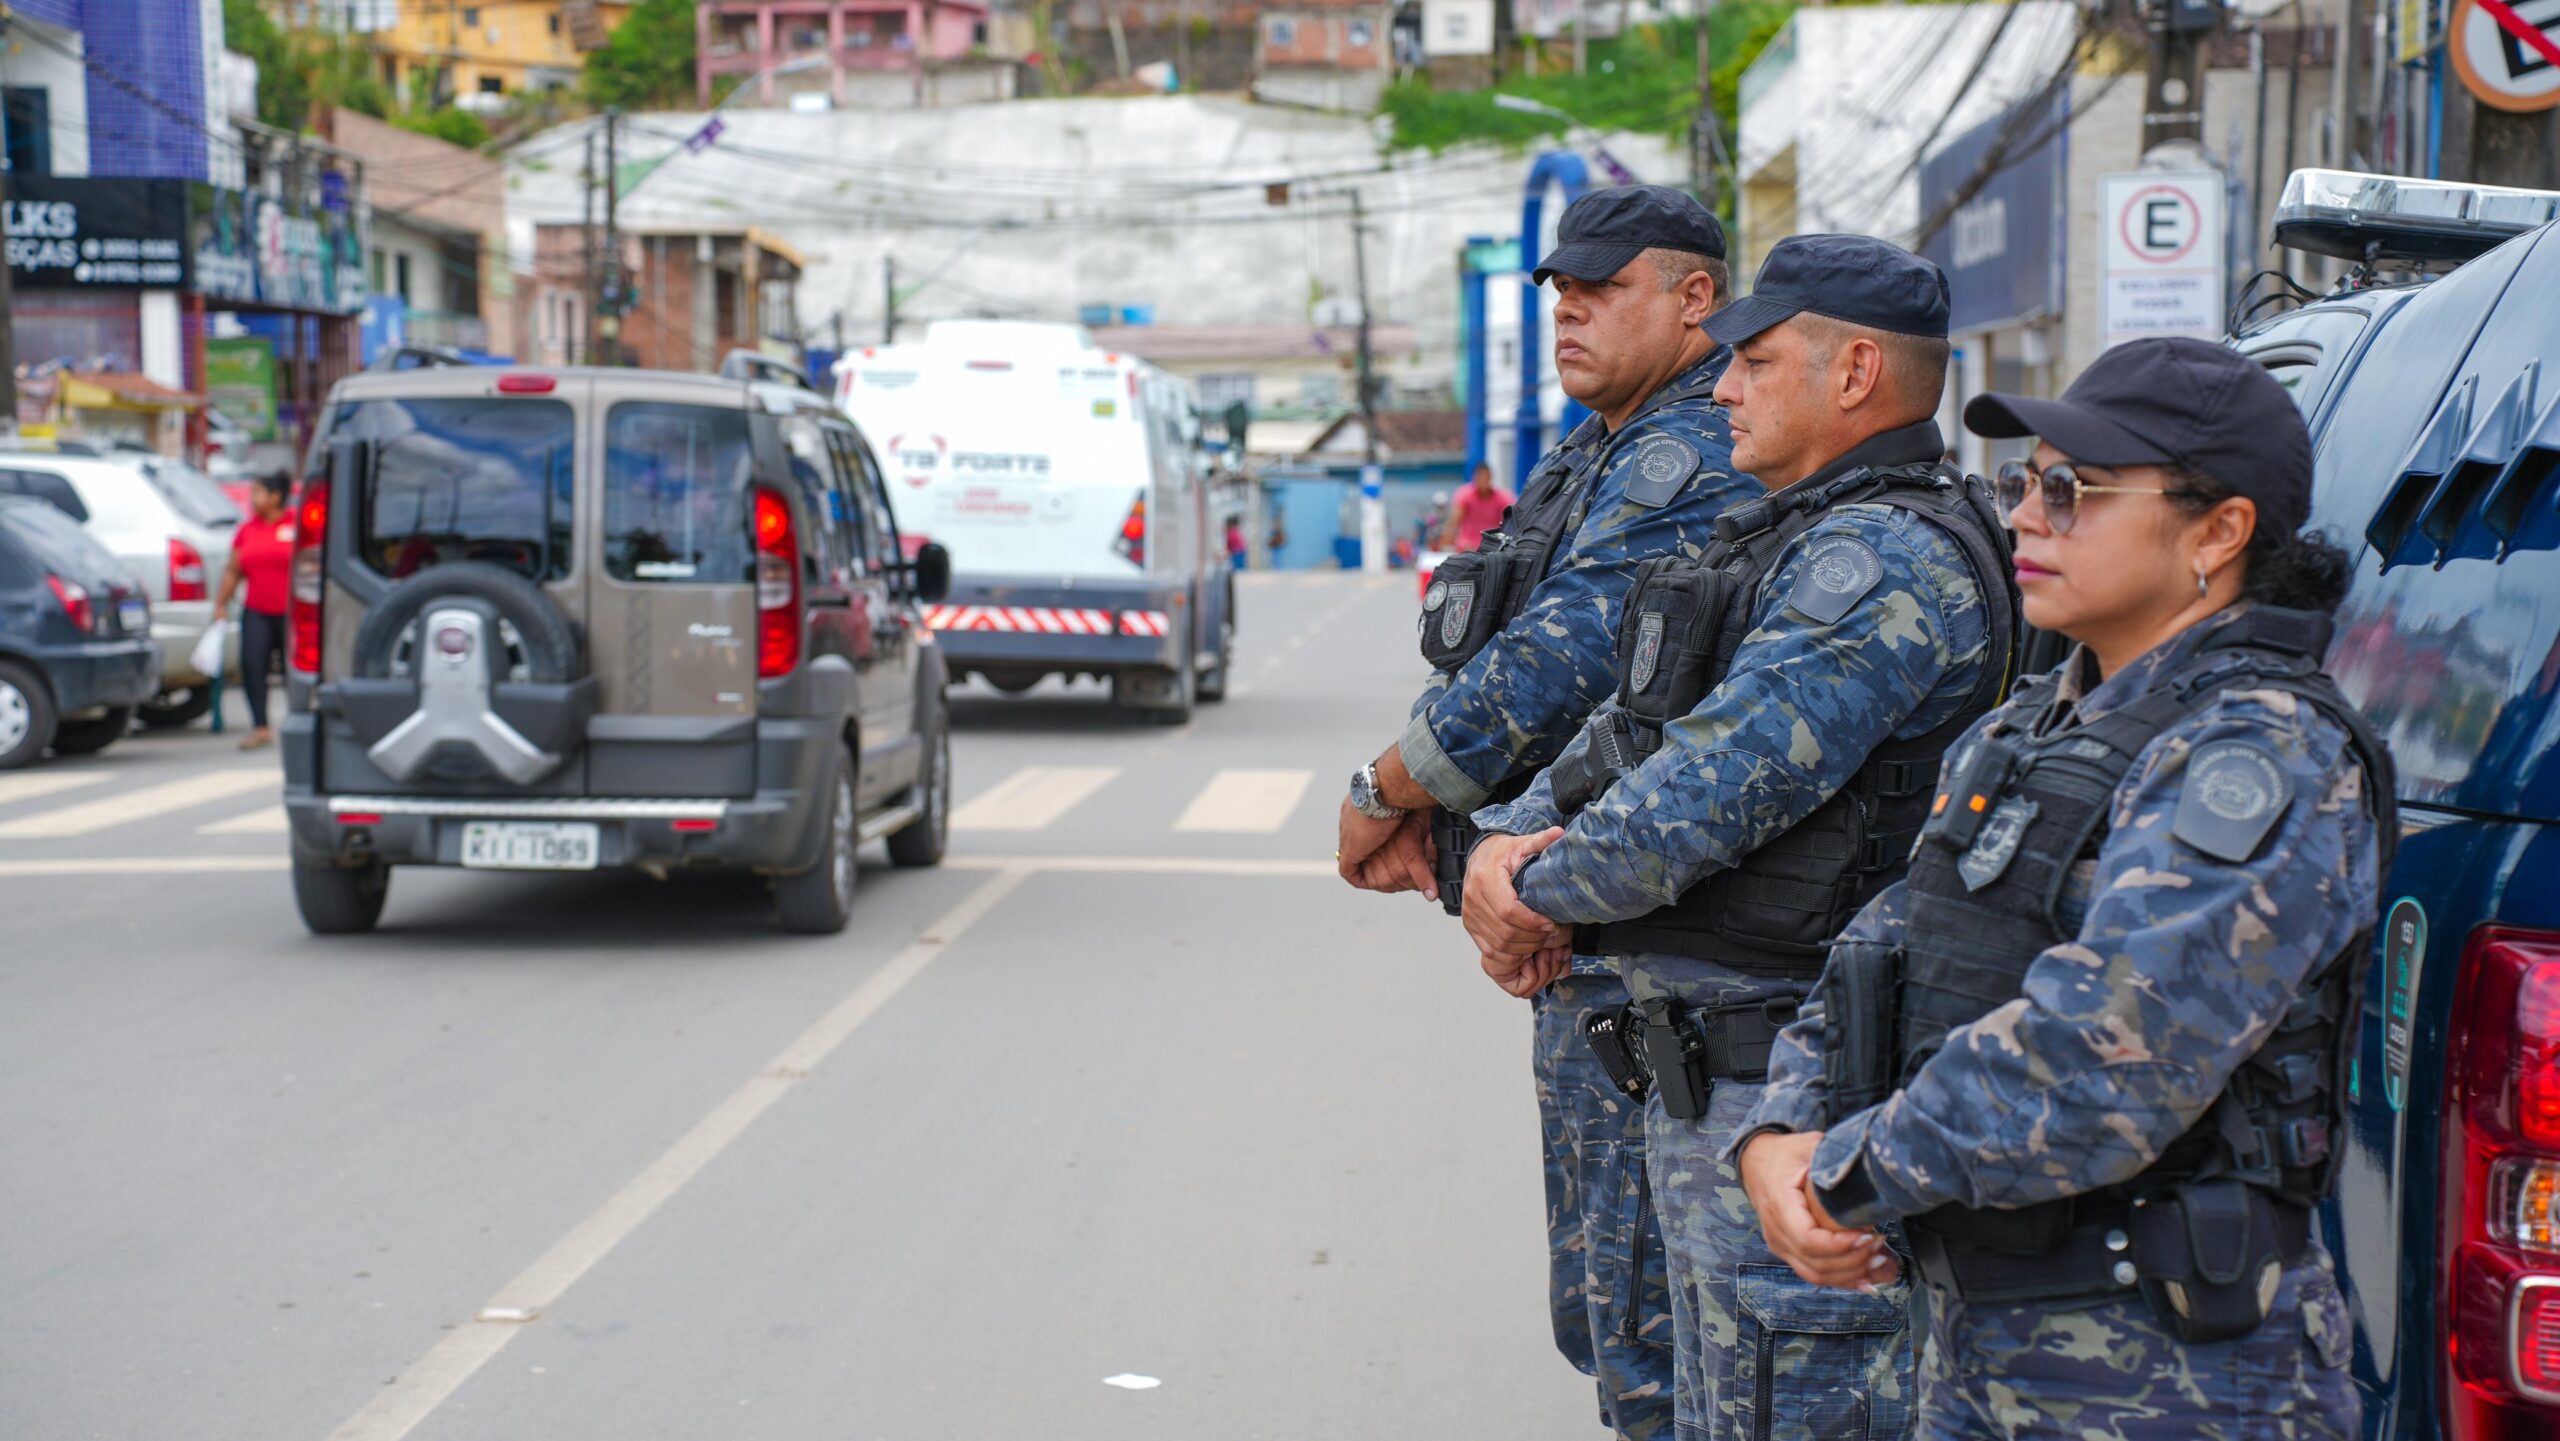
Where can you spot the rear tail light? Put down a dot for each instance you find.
(2501, 1211)
(74, 596)
(521, 384)
(186, 571)
(777, 587)
(310, 535)
(1132, 540)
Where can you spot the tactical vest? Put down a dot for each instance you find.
(2024, 809)
(1775, 911)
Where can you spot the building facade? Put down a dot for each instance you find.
(475, 55)
(852, 52)
(697, 293)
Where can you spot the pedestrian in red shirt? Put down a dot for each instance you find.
(261, 563)
(1475, 510)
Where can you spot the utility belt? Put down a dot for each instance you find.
(1685, 1050)
(2203, 1255)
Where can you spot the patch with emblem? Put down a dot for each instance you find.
(1837, 572)
(1997, 843)
(1437, 596)
(1662, 464)
(1456, 606)
(1648, 652)
(2235, 793)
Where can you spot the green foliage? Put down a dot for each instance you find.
(284, 94)
(454, 127)
(1645, 80)
(342, 72)
(648, 63)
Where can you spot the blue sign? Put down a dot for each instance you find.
(2002, 244)
(385, 326)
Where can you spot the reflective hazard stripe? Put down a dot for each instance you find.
(1040, 620)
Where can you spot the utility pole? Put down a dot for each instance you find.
(2173, 90)
(1701, 166)
(611, 304)
(587, 244)
(1373, 505)
(889, 301)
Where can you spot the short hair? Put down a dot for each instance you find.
(1675, 266)
(276, 482)
(1915, 366)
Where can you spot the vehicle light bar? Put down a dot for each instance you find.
(2362, 217)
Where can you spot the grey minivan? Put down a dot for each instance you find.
(562, 619)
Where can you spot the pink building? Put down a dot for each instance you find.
(854, 37)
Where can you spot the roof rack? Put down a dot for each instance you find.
(744, 364)
(2370, 218)
(417, 357)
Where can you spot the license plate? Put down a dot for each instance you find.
(133, 615)
(529, 845)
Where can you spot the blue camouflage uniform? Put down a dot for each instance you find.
(2179, 968)
(1804, 703)
(1503, 715)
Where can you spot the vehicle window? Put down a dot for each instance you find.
(813, 473)
(855, 487)
(46, 486)
(677, 507)
(2307, 352)
(192, 494)
(54, 541)
(875, 489)
(464, 479)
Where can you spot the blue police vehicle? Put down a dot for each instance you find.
(2434, 403)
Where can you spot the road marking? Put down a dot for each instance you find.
(1242, 800)
(1145, 865)
(144, 866)
(433, 1378)
(28, 785)
(139, 805)
(1032, 797)
(267, 821)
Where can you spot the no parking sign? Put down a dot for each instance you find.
(2507, 51)
(2161, 244)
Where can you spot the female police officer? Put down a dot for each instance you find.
(2128, 954)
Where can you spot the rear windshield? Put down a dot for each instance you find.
(677, 506)
(464, 479)
(192, 494)
(55, 542)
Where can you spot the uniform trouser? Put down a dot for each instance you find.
(1606, 1278)
(1764, 1355)
(2113, 1373)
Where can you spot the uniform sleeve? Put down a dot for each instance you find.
(1513, 706)
(1432, 690)
(2123, 1036)
(1803, 704)
(1535, 808)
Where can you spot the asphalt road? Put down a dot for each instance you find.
(1131, 1087)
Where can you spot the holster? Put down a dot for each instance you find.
(1612, 1034)
(2210, 1254)
(1453, 835)
(1616, 746)
(1689, 1050)
(1861, 992)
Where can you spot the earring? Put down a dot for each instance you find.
(2203, 591)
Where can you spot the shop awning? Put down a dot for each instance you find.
(122, 390)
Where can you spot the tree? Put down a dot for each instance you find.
(284, 93)
(648, 61)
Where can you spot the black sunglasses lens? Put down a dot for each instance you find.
(2009, 486)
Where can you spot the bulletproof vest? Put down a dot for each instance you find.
(2027, 804)
(1775, 911)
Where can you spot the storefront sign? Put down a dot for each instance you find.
(240, 379)
(2161, 235)
(72, 233)
(2001, 245)
(251, 249)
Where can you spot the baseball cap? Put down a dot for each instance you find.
(1856, 278)
(1606, 228)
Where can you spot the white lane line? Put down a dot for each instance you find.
(145, 866)
(433, 1378)
(1145, 865)
(141, 804)
(28, 785)
(267, 821)
(1032, 797)
(1244, 800)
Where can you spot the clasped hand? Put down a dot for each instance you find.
(1777, 1172)
(1523, 951)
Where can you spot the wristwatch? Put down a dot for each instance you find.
(1364, 795)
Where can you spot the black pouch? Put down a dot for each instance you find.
(1465, 605)
(1674, 1052)
(1861, 1017)
(1453, 836)
(2211, 1256)
(1667, 639)
(1611, 1033)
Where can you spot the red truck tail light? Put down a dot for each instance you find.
(310, 588)
(777, 587)
(1132, 540)
(186, 571)
(75, 603)
(2501, 1212)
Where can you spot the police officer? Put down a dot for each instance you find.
(1781, 708)
(2130, 950)
(1518, 634)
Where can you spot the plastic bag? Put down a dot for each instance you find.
(207, 656)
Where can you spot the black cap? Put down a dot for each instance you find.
(1605, 229)
(1856, 278)
(2173, 401)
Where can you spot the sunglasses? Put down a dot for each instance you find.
(2060, 487)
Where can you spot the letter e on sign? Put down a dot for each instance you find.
(2162, 224)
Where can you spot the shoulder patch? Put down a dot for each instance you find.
(1837, 572)
(1660, 466)
(2235, 793)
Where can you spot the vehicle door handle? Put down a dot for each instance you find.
(832, 602)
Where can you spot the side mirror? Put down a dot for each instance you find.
(933, 572)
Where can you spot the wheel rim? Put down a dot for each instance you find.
(937, 796)
(16, 717)
(842, 843)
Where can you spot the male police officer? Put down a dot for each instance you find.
(1518, 634)
(1782, 703)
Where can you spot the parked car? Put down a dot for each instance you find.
(170, 526)
(76, 654)
(2434, 406)
(563, 619)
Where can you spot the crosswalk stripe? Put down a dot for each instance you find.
(141, 804)
(1032, 797)
(28, 785)
(1244, 800)
(265, 821)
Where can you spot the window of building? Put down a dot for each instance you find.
(492, 85)
(377, 273)
(1360, 34)
(1217, 392)
(1281, 33)
(471, 15)
(555, 24)
(30, 122)
(724, 318)
(1320, 390)
(400, 276)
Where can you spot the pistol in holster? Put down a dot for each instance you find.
(1453, 836)
(1612, 1034)
(1688, 1049)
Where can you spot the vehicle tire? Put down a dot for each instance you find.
(921, 841)
(340, 900)
(1156, 695)
(1213, 686)
(26, 715)
(1013, 684)
(550, 643)
(171, 709)
(88, 737)
(819, 900)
